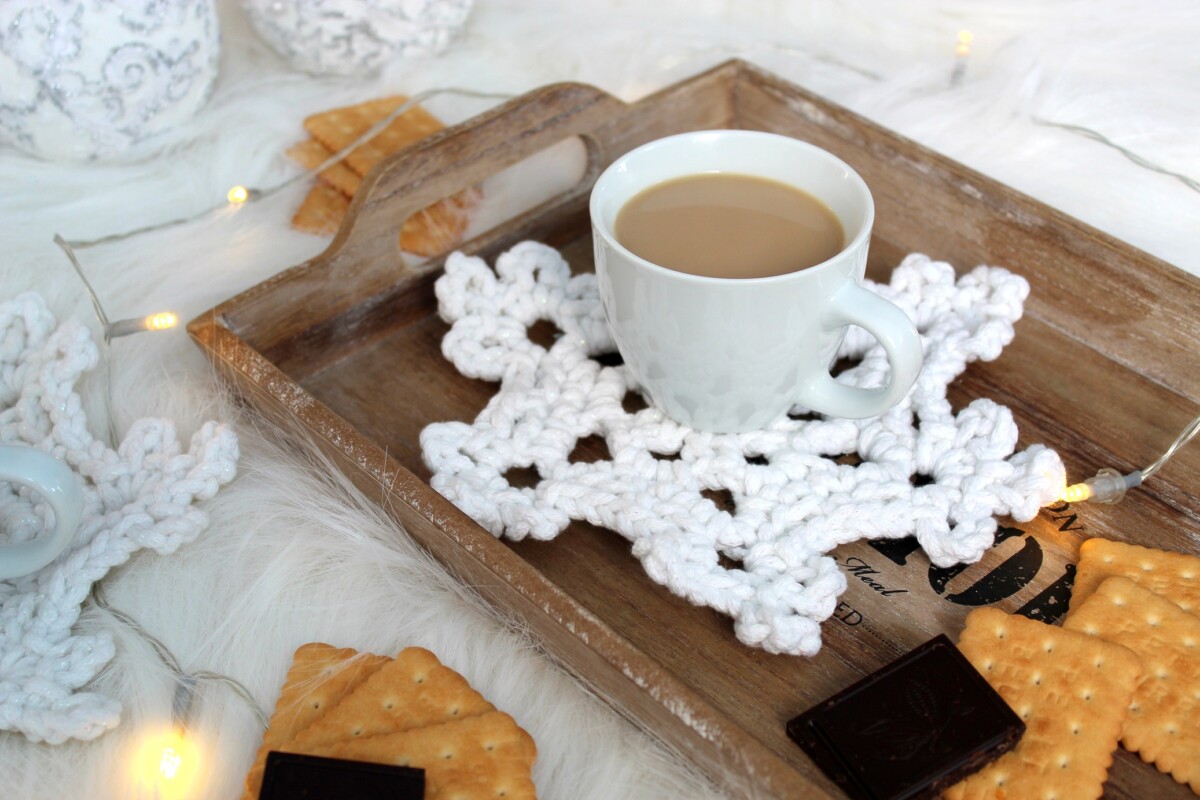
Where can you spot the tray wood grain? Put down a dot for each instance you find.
(344, 350)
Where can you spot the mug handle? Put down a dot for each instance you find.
(59, 486)
(855, 305)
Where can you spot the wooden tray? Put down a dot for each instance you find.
(345, 349)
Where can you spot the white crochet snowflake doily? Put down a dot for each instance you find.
(138, 496)
(924, 471)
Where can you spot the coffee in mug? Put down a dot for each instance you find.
(733, 343)
(727, 225)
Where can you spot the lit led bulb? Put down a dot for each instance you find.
(167, 765)
(162, 321)
(238, 195)
(962, 52)
(963, 48)
(1106, 486)
(1076, 493)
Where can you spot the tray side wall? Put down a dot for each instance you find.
(618, 672)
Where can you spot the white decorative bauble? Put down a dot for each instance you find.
(87, 79)
(355, 37)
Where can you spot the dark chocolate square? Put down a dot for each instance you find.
(911, 729)
(291, 776)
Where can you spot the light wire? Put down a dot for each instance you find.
(105, 327)
(1189, 432)
(1109, 485)
(186, 680)
(1096, 136)
(335, 158)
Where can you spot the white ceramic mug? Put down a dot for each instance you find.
(735, 354)
(59, 486)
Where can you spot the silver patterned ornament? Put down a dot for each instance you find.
(355, 37)
(95, 79)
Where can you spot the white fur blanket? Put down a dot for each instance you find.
(293, 554)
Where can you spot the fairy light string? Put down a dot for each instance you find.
(1141, 161)
(241, 195)
(170, 760)
(182, 702)
(153, 322)
(1108, 486)
(166, 763)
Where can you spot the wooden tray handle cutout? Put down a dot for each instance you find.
(465, 155)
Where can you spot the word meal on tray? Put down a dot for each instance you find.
(922, 469)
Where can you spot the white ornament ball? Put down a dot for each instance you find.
(355, 37)
(96, 79)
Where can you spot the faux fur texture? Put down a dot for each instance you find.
(294, 555)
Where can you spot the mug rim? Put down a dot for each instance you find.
(859, 239)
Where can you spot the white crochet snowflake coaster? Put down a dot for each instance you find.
(924, 470)
(140, 495)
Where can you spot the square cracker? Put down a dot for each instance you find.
(1174, 576)
(1164, 719)
(436, 229)
(1073, 692)
(413, 691)
(311, 154)
(322, 211)
(339, 128)
(429, 232)
(319, 677)
(486, 756)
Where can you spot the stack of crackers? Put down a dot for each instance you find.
(1123, 667)
(407, 711)
(432, 231)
